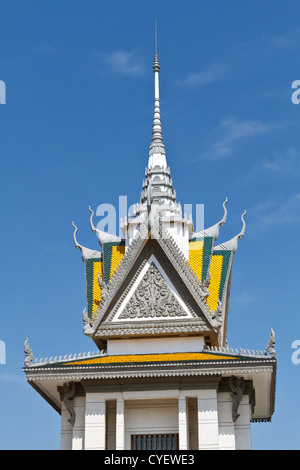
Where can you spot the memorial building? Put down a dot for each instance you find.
(163, 376)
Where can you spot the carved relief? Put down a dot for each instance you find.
(66, 393)
(152, 298)
(217, 316)
(237, 387)
(87, 322)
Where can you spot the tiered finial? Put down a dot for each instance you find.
(157, 145)
(156, 127)
(156, 66)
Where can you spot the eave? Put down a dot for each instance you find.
(140, 368)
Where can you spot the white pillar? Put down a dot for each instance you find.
(78, 428)
(208, 435)
(120, 430)
(182, 423)
(243, 425)
(226, 424)
(66, 430)
(95, 422)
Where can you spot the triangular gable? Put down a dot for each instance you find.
(153, 295)
(174, 264)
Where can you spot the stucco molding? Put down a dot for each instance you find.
(66, 393)
(152, 298)
(149, 252)
(150, 328)
(109, 305)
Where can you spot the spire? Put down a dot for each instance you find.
(157, 144)
(157, 185)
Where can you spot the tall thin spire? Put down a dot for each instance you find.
(157, 145)
(157, 186)
(157, 192)
(155, 35)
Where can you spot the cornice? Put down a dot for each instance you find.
(119, 371)
(151, 328)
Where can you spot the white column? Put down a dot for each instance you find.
(243, 425)
(182, 423)
(95, 422)
(120, 429)
(78, 428)
(66, 430)
(226, 424)
(208, 435)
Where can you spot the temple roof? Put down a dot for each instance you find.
(158, 358)
(204, 267)
(258, 368)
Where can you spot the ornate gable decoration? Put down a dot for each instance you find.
(152, 299)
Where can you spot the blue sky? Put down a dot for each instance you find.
(75, 131)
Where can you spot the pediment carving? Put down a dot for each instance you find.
(152, 298)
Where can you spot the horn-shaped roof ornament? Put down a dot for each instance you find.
(213, 231)
(103, 237)
(233, 243)
(86, 253)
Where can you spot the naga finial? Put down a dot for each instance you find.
(240, 235)
(74, 236)
(213, 231)
(222, 222)
(271, 344)
(28, 353)
(233, 243)
(94, 230)
(86, 253)
(103, 237)
(242, 232)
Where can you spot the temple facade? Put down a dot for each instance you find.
(163, 376)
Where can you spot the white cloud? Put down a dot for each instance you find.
(211, 74)
(272, 213)
(281, 163)
(124, 63)
(229, 132)
(285, 39)
(289, 162)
